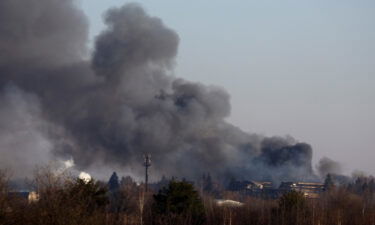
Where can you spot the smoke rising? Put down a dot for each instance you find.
(124, 101)
(328, 166)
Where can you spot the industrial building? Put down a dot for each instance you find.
(268, 189)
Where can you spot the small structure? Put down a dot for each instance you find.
(309, 189)
(262, 189)
(265, 189)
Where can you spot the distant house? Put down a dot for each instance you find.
(262, 189)
(256, 185)
(310, 189)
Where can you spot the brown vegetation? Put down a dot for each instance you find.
(67, 200)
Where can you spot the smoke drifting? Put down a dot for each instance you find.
(124, 101)
(328, 166)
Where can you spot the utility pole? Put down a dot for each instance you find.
(147, 164)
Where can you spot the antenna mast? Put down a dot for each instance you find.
(147, 164)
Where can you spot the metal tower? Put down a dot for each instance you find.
(146, 164)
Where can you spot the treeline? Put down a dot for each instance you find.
(66, 200)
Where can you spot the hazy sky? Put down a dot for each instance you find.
(301, 68)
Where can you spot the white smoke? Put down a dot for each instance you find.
(85, 177)
(69, 163)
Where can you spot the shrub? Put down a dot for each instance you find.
(180, 203)
(293, 208)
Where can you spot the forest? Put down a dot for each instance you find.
(63, 199)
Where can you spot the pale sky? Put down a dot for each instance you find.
(294, 67)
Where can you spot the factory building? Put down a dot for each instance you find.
(268, 190)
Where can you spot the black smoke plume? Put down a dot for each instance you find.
(122, 102)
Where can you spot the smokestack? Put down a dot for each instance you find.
(147, 164)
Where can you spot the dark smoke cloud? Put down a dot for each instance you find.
(41, 32)
(107, 111)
